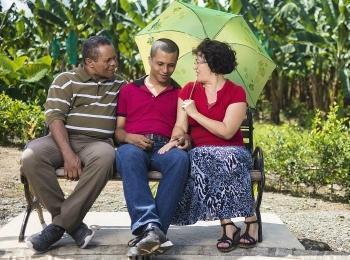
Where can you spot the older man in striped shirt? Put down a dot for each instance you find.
(80, 112)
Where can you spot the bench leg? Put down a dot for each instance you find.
(32, 203)
(24, 223)
(257, 211)
(29, 209)
(258, 216)
(258, 159)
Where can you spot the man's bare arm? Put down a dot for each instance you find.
(72, 163)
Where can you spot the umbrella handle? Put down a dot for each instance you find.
(192, 89)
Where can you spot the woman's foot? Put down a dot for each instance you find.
(250, 236)
(230, 237)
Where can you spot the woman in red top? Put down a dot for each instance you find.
(219, 186)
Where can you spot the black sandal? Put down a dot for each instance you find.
(251, 241)
(232, 242)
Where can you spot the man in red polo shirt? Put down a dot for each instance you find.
(146, 115)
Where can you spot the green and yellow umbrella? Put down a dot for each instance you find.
(188, 25)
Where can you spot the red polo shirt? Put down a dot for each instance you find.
(146, 113)
(229, 94)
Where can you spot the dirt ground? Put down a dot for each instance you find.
(319, 225)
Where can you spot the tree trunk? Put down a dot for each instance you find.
(275, 97)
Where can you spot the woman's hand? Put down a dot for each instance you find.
(183, 141)
(172, 143)
(189, 106)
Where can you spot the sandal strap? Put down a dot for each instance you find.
(225, 239)
(248, 237)
(228, 224)
(248, 227)
(231, 242)
(224, 236)
(251, 222)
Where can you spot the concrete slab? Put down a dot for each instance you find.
(113, 233)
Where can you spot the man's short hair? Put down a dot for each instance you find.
(165, 45)
(91, 45)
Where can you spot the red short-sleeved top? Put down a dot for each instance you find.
(229, 94)
(146, 113)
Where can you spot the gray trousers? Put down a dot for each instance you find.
(39, 161)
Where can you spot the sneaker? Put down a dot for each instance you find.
(164, 247)
(82, 235)
(152, 238)
(134, 250)
(42, 241)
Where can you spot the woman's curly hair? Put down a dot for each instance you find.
(220, 57)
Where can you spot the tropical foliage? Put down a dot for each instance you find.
(20, 122)
(308, 40)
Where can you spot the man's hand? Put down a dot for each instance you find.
(139, 140)
(72, 166)
(183, 141)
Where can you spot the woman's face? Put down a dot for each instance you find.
(201, 68)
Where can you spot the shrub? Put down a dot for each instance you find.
(283, 154)
(330, 139)
(316, 158)
(19, 122)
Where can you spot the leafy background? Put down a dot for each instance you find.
(302, 118)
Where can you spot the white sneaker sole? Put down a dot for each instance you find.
(133, 251)
(87, 240)
(164, 247)
(30, 246)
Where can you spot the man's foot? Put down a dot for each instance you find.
(134, 251)
(164, 247)
(152, 241)
(41, 242)
(82, 235)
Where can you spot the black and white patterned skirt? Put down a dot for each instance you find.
(218, 187)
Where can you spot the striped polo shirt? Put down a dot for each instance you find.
(85, 105)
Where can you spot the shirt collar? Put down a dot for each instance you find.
(85, 77)
(141, 82)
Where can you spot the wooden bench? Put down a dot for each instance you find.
(257, 176)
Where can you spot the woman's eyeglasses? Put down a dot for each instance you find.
(197, 62)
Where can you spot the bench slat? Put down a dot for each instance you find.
(255, 175)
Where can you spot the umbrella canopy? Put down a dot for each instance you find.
(188, 25)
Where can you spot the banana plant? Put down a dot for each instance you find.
(309, 42)
(134, 15)
(25, 79)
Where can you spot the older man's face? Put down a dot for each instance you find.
(106, 63)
